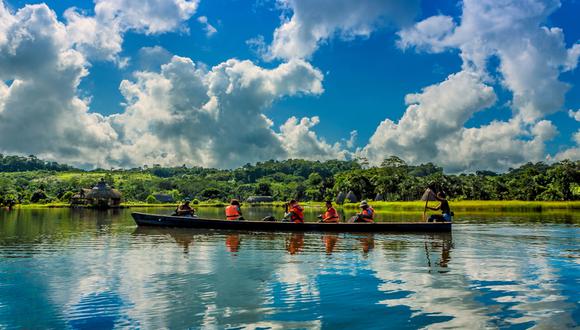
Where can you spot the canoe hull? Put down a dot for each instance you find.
(145, 219)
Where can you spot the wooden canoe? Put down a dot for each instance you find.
(145, 219)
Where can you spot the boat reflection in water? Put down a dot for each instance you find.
(299, 242)
(94, 269)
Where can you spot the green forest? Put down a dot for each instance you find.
(25, 180)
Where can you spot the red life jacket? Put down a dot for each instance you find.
(330, 215)
(297, 214)
(232, 212)
(368, 214)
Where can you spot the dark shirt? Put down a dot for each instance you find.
(445, 207)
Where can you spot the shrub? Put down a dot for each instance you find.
(151, 199)
(67, 196)
(38, 197)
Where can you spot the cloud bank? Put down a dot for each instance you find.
(177, 111)
(185, 113)
(531, 58)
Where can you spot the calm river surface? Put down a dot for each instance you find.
(62, 268)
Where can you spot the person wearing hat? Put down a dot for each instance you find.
(185, 210)
(446, 213)
(367, 214)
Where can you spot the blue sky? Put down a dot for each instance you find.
(366, 76)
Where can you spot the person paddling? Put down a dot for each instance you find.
(295, 212)
(446, 214)
(233, 211)
(185, 209)
(367, 214)
(330, 216)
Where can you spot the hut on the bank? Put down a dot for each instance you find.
(351, 197)
(260, 199)
(340, 198)
(164, 198)
(79, 199)
(100, 196)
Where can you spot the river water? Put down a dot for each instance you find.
(62, 268)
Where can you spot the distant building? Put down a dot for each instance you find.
(100, 196)
(340, 198)
(164, 198)
(79, 199)
(351, 197)
(260, 199)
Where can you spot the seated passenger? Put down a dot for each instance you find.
(330, 216)
(294, 212)
(233, 211)
(367, 214)
(446, 214)
(184, 210)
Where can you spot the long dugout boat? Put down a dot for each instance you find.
(145, 219)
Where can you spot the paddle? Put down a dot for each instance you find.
(428, 195)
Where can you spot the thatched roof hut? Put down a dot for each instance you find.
(103, 191)
(351, 197)
(164, 198)
(340, 198)
(260, 199)
(101, 195)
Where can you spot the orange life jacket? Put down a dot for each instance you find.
(368, 214)
(330, 215)
(297, 214)
(232, 212)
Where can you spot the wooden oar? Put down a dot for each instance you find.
(427, 196)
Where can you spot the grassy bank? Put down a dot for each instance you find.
(501, 206)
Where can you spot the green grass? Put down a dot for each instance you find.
(474, 205)
(126, 205)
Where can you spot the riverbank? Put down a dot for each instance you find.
(501, 206)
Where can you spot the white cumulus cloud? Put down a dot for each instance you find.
(531, 59)
(40, 112)
(313, 22)
(574, 114)
(531, 54)
(185, 114)
(433, 130)
(300, 141)
(210, 30)
(178, 112)
(101, 36)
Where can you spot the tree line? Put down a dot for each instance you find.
(393, 180)
(30, 163)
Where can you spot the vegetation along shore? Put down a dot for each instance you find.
(393, 185)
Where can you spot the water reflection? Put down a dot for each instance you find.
(367, 243)
(233, 242)
(295, 243)
(99, 270)
(441, 242)
(330, 241)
